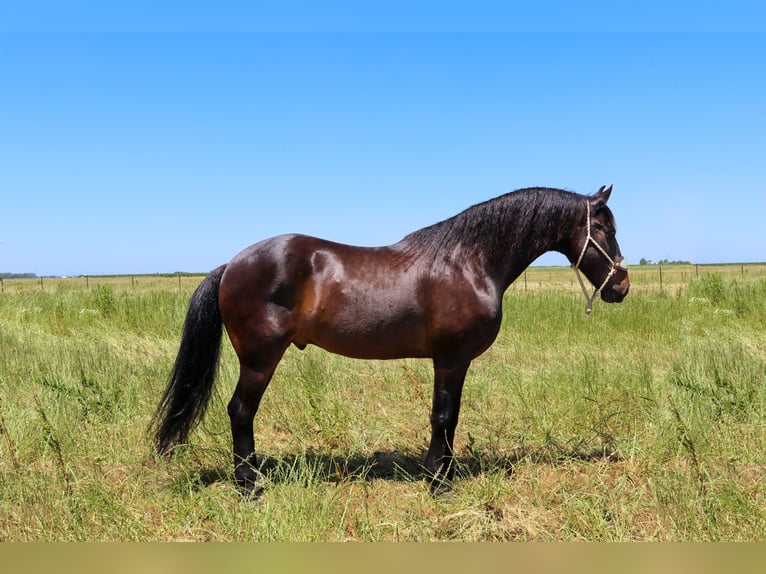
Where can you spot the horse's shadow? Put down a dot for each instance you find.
(325, 467)
(392, 465)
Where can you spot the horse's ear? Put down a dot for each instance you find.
(602, 195)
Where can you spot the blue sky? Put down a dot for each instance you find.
(135, 142)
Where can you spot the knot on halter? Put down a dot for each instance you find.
(615, 265)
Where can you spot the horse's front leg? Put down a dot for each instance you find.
(448, 388)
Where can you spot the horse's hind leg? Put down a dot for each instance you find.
(253, 380)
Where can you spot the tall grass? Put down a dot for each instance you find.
(644, 422)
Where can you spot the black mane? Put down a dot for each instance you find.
(516, 222)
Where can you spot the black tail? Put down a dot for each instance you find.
(191, 382)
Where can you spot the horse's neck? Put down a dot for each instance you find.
(531, 242)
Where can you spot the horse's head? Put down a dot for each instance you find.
(595, 252)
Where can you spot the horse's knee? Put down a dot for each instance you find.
(443, 420)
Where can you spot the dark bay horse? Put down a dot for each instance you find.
(436, 294)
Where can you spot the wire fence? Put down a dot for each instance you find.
(651, 277)
(668, 278)
(180, 282)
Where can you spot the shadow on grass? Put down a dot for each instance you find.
(394, 465)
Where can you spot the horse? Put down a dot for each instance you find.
(436, 294)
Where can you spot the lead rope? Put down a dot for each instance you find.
(615, 265)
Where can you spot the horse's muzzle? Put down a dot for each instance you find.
(615, 292)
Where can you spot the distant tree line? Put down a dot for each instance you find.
(644, 261)
(17, 276)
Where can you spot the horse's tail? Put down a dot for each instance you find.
(191, 382)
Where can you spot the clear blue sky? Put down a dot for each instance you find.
(144, 139)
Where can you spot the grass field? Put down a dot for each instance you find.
(644, 422)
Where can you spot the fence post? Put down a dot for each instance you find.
(660, 277)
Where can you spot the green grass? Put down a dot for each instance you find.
(643, 422)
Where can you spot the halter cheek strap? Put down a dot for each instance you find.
(615, 266)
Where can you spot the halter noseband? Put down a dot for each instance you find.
(615, 266)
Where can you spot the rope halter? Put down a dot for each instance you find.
(615, 265)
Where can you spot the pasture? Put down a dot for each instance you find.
(643, 422)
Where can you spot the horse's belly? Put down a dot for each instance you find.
(364, 333)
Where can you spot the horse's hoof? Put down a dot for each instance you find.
(440, 487)
(251, 489)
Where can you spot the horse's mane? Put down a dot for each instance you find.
(518, 221)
